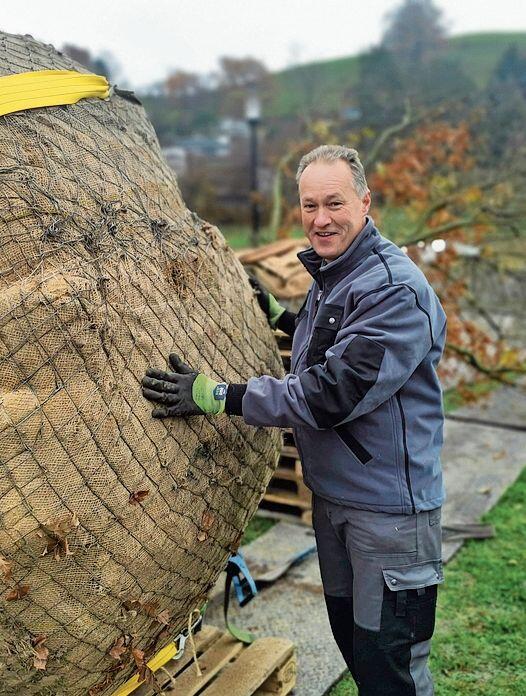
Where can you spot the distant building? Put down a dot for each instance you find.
(176, 158)
(234, 128)
(206, 146)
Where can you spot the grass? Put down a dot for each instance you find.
(238, 236)
(256, 527)
(479, 648)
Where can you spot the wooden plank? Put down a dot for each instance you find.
(206, 637)
(286, 498)
(211, 662)
(252, 667)
(281, 681)
(289, 451)
(283, 473)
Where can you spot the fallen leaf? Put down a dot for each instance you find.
(137, 497)
(56, 531)
(18, 592)
(6, 568)
(513, 562)
(118, 648)
(207, 520)
(150, 608)
(163, 617)
(485, 490)
(41, 652)
(201, 536)
(138, 656)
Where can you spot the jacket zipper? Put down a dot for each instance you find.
(316, 306)
(406, 452)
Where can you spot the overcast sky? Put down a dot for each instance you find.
(148, 39)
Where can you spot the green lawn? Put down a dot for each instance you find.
(238, 236)
(479, 647)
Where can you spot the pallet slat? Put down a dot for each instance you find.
(216, 657)
(286, 498)
(206, 637)
(252, 668)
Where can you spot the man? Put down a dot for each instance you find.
(365, 403)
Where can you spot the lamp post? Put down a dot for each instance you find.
(253, 116)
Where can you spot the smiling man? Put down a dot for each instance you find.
(365, 403)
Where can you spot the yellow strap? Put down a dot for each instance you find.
(32, 90)
(157, 661)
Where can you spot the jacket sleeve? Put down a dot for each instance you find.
(377, 349)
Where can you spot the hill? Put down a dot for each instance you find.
(327, 82)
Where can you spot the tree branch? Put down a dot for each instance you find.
(496, 373)
(443, 229)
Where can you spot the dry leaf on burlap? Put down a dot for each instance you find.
(207, 520)
(150, 608)
(56, 531)
(201, 536)
(118, 649)
(6, 568)
(137, 497)
(41, 652)
(145, 673)
(18, 592)
(163, 617)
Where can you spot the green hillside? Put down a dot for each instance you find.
(479, 53)
(326, 83)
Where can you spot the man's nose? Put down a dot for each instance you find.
(322, 218)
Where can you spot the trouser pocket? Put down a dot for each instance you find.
(409, 603)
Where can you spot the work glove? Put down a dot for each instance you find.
(268, 303)
(183, 392)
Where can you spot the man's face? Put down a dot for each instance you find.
(332, 213)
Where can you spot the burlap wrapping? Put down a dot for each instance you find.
(113, 525)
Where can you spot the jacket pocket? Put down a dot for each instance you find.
(359, 451)
(326, 327)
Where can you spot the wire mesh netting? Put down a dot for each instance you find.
(113, 525)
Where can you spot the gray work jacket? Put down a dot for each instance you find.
(363, 395)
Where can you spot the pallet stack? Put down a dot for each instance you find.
(287, 494)
(267, 667)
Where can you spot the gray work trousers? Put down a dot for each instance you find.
(380, 573)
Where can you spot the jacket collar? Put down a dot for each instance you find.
(329, 274)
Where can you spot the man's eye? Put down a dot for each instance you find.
(335, 204)
(309, 206)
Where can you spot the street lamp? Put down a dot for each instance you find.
(253, 116)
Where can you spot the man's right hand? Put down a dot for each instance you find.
(268, 303)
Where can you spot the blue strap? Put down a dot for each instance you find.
(246, 590)
(244, 584)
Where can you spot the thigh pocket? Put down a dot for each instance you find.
(410, 596)
(414, 576)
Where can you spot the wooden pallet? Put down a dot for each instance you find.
(267, 667)
(285, 348)
(287, 493)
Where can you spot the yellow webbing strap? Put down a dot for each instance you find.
(157, 661)
(173, 649)
(32, 90)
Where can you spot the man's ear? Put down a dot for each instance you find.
(366, 202)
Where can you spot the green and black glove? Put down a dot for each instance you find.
(268, 303)
(183, 392)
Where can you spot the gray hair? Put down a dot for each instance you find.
(332, 153)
